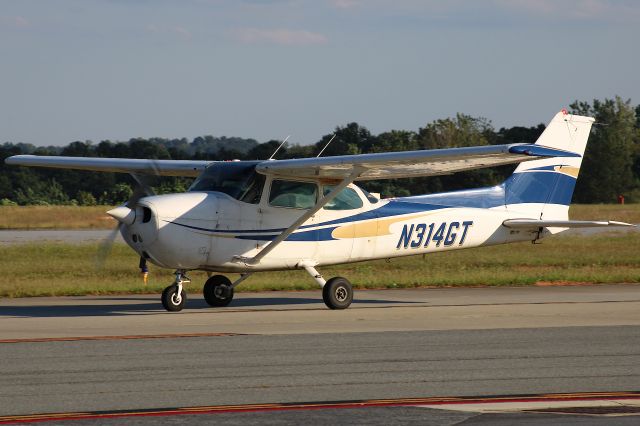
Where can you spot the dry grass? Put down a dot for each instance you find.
(75, 217)
(629, 213)
(55, 217)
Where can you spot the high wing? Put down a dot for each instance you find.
(117, 165)
(387, 165)
(391, 165)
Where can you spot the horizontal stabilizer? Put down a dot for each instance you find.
(534, 224)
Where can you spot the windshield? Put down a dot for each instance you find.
(236, 179)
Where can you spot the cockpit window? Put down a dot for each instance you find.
(347, 199)
(291, 194)
(372, 199)
(236, 179)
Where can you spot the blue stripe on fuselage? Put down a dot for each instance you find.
(537, 186)
(534, 186)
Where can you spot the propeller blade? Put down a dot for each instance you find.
(124, 217)
(143, 187)
(105, 247)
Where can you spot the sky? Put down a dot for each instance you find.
(264, 69)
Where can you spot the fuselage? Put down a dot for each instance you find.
(212, 230)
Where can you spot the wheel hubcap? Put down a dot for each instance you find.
(220, 292)
(176, 298)
(341, 294)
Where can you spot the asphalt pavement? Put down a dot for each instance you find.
(108, 354)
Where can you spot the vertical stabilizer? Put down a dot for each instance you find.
(543, 188)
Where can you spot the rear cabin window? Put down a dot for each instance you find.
(347, 199)
(294, 195)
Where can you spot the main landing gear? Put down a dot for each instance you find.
(337, 293)
(218, 291)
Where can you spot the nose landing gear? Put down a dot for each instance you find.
(218, 291)
(174, 297)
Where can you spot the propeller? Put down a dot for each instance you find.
(126, 215)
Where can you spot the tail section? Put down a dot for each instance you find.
(543, 188)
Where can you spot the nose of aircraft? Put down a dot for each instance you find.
(157, 228)
(123, 215)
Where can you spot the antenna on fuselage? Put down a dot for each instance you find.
(280, 146)
(325, 147)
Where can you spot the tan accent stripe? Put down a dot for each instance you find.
(372, 227)
(568, 170)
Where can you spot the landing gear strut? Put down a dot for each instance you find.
(218, 290)
(174, 297)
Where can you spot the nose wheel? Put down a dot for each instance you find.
(172, 299)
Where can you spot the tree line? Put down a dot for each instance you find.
(611, 166)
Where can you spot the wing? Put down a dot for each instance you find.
(537, 224)
(117, 165)
(391, 165)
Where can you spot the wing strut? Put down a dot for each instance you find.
(357, 171)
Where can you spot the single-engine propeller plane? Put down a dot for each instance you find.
(251, 216)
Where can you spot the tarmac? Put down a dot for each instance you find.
(394, 357)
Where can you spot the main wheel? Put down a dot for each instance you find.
(171, 300)
(217, 291)
(337, 293)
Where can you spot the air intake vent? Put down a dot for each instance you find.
(146, 214)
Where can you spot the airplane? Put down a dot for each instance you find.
(251, 216)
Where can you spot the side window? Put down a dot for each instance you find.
(347, 199)
(296, 195)
(253, 190)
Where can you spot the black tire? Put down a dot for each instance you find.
(337, 293)
(217, 291)
(169, 296)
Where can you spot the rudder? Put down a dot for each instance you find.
(544, 188)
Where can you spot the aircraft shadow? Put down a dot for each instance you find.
(110, 307)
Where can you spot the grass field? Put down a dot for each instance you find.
(75, 217)
(62, 269)
(55, 217)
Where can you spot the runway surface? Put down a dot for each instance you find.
(87, 354)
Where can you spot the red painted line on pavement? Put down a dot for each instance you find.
(126, 337)
(443, 401)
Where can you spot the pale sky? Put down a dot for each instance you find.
(116, 69)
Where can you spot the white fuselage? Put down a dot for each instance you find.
(213, 231)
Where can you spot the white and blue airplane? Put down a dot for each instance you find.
(251, 216)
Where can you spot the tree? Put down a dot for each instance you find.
(265, 150)
(606, 170)
(85, 198)
(350, 139)
(463, 130)
(395, 140)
